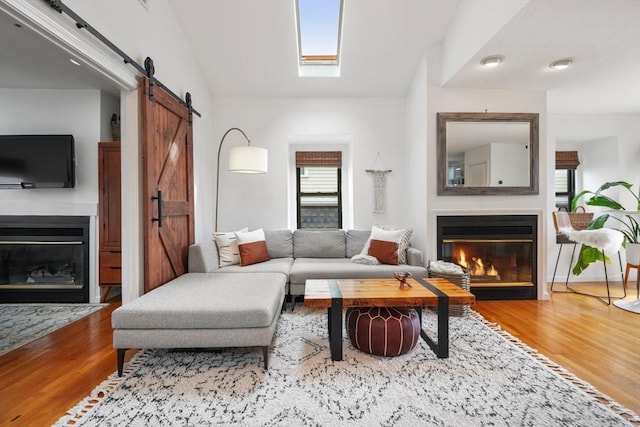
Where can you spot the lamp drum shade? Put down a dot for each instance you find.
(248, 159)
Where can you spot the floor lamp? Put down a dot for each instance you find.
(243, 159)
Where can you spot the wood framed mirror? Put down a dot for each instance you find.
(487, 153)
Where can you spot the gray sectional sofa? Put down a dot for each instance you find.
(234, 306)
(309, 254)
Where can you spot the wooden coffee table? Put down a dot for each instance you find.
(432, 292)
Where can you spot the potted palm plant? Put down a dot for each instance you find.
(627, 223)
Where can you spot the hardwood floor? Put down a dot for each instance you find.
(599, 344)
(43, 379)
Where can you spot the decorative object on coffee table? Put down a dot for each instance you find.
(402, 277)
(384, 331)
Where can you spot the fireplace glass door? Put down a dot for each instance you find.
(499, 251)
(44, 259)
(492, 262)
(41, 265)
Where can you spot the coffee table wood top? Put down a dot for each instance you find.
(384, 293)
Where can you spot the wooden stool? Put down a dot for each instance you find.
(626, 277)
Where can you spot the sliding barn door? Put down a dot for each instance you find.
(168, 186)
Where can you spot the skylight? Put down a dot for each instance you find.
(319, 25)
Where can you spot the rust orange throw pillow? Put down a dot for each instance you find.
(252, 247)
(385, 252)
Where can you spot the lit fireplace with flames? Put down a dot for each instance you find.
(477, 266)
(498, 251)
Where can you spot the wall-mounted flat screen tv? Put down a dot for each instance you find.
(37, 161)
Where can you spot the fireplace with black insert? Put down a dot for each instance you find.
(44, 259)
(499, 251)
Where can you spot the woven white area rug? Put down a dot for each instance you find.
(490, 379)
(22, 323)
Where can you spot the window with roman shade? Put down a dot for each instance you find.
(318, 189)
(567, 160)
(565, 178)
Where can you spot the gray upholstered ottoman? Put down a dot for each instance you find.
(202, 310)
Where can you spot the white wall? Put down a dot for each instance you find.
(585, 130)
(369, 125)
(416, 159)
(609, 150)
(40, 111)
(473, 26)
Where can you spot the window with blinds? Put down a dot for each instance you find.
(561, 181)
(318, 189)
(565, 183)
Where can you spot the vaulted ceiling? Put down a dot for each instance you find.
(248, 48)
(251, 46)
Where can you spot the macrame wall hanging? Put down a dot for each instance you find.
(379, 185)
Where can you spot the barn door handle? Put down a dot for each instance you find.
(160, 203)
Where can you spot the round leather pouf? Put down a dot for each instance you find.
(384, 331)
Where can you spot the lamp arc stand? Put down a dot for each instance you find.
(256, 163)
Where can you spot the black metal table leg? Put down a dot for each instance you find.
(441, 346)
(334, 317)
(443, 327)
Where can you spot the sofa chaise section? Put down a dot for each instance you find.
(201, 310)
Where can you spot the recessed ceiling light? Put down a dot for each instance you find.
(561, 64)
(492, 61)
(73, 61)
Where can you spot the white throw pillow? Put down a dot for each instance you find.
(403, 243)
(252, 247)
(228, 252)
(385, 245)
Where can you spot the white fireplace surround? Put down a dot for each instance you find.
(432, 250)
